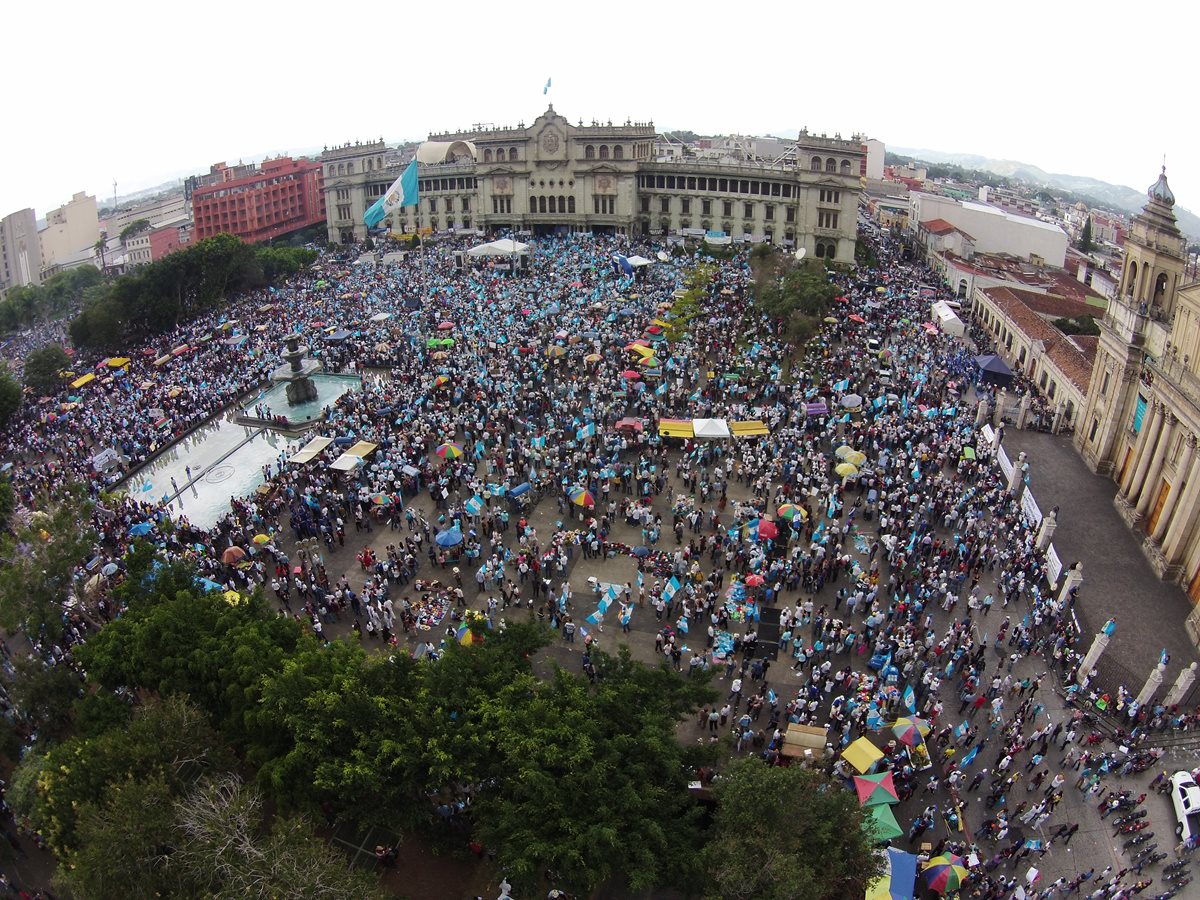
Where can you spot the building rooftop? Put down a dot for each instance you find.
(1074, 359)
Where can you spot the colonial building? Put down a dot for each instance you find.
(555, 177)
(1142, 413)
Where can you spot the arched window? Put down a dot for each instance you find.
(845, 167)
(618, 152)
(341, 168)
(831, 165)
(570, 204)
(370, 165)
(816, 164)
(487, 155)
(562, 204)
(1131, 284)
(332, 169)
(1160, 288)
(604, 151)
(589, 152)
(512, 154)
(541, 204)
(553, 205)
(349, 168)
(820, 250)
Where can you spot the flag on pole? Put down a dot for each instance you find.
(546, 89)
(910, 698)
(970, 757)
(403, 192)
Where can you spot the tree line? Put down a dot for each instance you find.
(198, 715)
(158, 297)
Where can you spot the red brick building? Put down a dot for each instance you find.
(283, 195)
(168, 239)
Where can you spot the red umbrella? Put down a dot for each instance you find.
(767, 530)
(629, 423)
(755, 581)
(630, 375)
(445, 326)
(654, 329)
(857, 318)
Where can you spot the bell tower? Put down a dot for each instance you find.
(1136, 325)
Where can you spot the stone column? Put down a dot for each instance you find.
(1072, 578)
(1059, 412)
(1141, 453)
(981, 413)
(998, 415)
(1046, 530)
(1023, 411)
(1153, 683)
(1089, 660)
(1016, 481)
(1174, 540)
(1181, 686)
(1182, 471)
(1149, 489)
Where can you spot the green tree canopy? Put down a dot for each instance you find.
(10, 397)
(786, 834)
(134, 228)
(42, 367)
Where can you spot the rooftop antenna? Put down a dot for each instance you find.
(114, 193)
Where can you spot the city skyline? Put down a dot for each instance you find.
(1041, 85)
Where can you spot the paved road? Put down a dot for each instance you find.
(1117, 579)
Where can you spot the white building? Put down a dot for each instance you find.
(875, 156)
(70, 229)
(993, 230)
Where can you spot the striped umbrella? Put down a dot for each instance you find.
(910, 730)
(449, 450)
(789, 511)
(581, 496)
(945, 873)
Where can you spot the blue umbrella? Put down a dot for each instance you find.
(451, 537)
(141, 529)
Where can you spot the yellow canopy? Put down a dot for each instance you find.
(310, 450)
(117, 361)
(642, 351)
(83, 379)
(362, 449)
(748, 428)
(862, 754)
(682, 428)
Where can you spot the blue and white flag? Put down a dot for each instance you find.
(970, 757)
(546, 89)
(641, 579)
(672, 586)
(960, 730)
(621, 264)
(910, 698)
(403, 192)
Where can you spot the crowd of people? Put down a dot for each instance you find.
(872, 514)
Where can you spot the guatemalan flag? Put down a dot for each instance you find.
(621, 264)
(403, 192)
(910, 698)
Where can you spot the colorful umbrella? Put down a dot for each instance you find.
(789, 511)
(554, 351)
(465, 636)
(233, 555)
(649, 362)
(441, 380)
(910, 731)
(262, 539)
(581, 497)
(449, 450)
(592, 358)
(762, 530)
(882, 823)
(845, 470)
(381, 500)
(945, 873)
(875, 789)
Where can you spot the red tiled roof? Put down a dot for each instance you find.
(1071, 360)
(937, 226)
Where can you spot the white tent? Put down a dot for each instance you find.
(639, 261)
(945, 319)
(503, 247)
(710, 429)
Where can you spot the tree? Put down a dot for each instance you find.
(39, 562)
(791, 833)
(10, 397)
(42, 368)
(133, 229)
(45, 695)
(1085, 237)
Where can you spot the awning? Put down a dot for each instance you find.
(711, 429)
(362, 449)
(862, 754)
(800, 741)
(679, 428)
(162, 360)
(748, 428)
(83, 379)
(311, 450)
(118, 361)
(346, 463)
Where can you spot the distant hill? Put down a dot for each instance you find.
(1118, 196)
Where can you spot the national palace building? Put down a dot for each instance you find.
(554, 177)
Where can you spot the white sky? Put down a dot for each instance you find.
(104, 91)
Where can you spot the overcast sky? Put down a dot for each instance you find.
(142, 92)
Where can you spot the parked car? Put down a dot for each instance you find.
(1185, 797)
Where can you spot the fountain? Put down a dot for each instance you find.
(297, 373)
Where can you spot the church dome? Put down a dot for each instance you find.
(1161, 191)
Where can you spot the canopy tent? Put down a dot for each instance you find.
(502, 247)
(362, 449)
(804, 741)
(749, 428)
(898, 879)
(83, 379)
(638, 261)
(946, 320)
(680, 428)
(118, 361)
(163, 360)
(347, 462)
(994, 370)
(710, 429)
(340, 335)
(875, 789)
(882, 823)
(862, 754)
(310, 451)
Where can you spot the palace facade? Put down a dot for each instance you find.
(554, 177)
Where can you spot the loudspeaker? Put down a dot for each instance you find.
(458, 261)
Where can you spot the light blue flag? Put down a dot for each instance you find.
(910, 698)
(403, 192)
(970, 757)
(546, 89)
(641, 579)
